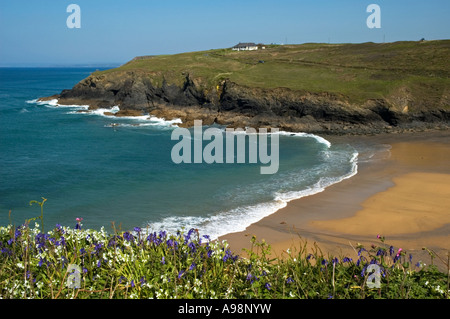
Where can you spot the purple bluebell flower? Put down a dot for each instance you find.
(361, 250)
(391, 250)
(363, 271)
(346, 260)
(192, 247)
(112, 242)
(289, 280)
(268, 286)
(128, 236)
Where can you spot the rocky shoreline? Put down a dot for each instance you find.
(235, 106)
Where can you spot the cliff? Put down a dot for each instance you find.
(319, 88)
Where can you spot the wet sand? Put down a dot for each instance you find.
(402, 194)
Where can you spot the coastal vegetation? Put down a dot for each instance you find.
(76, 262)
(364, 88)
(356, 71)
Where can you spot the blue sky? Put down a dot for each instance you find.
(35, 32)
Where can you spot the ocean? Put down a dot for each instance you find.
(122, 173)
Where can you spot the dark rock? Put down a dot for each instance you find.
(239, 106)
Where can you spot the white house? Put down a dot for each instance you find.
(245, 47)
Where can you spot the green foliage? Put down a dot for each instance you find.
(419, 70)
(145, 264)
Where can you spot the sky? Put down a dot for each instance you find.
(35, 33)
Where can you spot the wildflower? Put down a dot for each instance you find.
(127, 236)
(122, 278)
(361, 250)
(268, 286)
(363, 271)
(192, 266)
(78, 225)
(380, 252)
(391, 250)
(112, 242)
(137, 229)
(17, 233)
(346, 260)
(180, 274)
(163, 261)
(289, 280)
(399, 251)
(132, 283)
(192, 247)
(99, 264)
(228, 255)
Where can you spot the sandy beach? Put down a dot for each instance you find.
(401, 193)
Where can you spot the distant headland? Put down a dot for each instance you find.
(365, 88)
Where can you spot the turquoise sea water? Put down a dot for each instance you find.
(86, 168)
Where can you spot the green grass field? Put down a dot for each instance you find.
(356, 71)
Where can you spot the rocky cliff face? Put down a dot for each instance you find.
(239, 106)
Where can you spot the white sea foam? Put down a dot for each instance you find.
(54, 103)
(240, 218)
(144, 120)
(318, 138)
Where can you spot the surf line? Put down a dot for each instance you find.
(213, 152)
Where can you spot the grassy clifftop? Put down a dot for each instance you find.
(415, 71)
